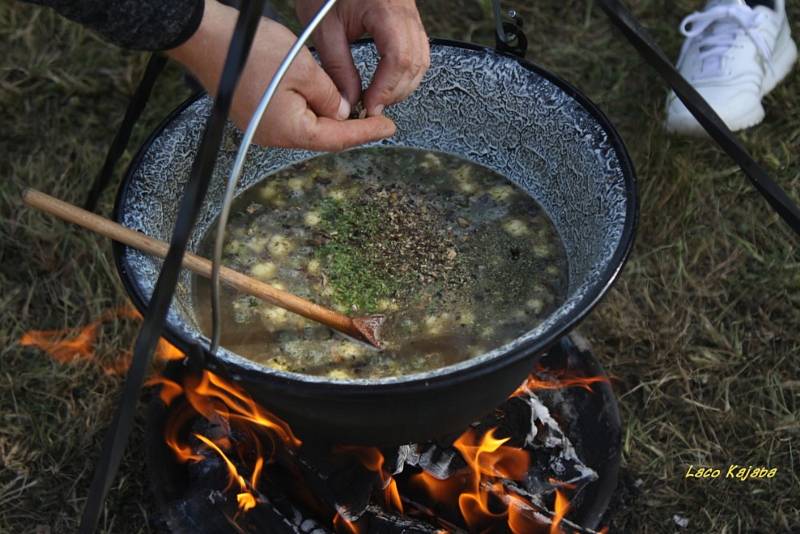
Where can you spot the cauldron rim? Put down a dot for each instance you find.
(288, 381)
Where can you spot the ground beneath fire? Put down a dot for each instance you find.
(701, 331)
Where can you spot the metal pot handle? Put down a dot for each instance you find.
(236, 171)
(508, 34)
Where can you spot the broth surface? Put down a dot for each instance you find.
(458, 259)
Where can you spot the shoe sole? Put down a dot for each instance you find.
(784, 59)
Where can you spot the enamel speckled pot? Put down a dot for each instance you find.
(494, 109)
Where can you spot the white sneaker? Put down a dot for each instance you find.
(735, 53)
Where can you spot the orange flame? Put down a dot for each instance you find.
(487, 459)
(257, 471)
(478, 491)
(340, 524)
(170, 390)
(482, 498)
(245, 497)
(561, 508)
(480, 495)
(246, 501)
(78, 344)
(393, 495)
(439, 490)
(559, 381)
(491, 457)
(216, 400)
(166, 351)
(63, 350)
(176, 421)
(202, 393)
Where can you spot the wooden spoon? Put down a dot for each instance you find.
(366, 329)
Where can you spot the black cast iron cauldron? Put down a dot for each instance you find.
(494, 109)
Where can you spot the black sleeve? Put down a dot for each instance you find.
(134, 24)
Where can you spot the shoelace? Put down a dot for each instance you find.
(724, 22)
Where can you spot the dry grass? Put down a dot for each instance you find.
(701, 331)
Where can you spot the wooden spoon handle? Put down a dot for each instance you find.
(197, 264)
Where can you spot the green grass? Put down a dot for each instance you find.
(701, 331)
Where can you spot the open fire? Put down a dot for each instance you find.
(78, 344)
(515, 471)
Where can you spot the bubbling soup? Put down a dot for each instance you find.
(458, 259)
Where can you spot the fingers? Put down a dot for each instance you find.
(334, 51)
(332, 135)
(424, 48)
(291, 123)
(405, 55)
(318, 88)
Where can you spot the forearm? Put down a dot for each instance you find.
(134, 24)
(203, 53)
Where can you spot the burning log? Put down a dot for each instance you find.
(525, 508)
(528, 423)
(213, 511)
(381, 520)
(275, 510)
(341, 481)
(417, 509)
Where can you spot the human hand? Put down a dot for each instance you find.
(401, 40)
(307, 110)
